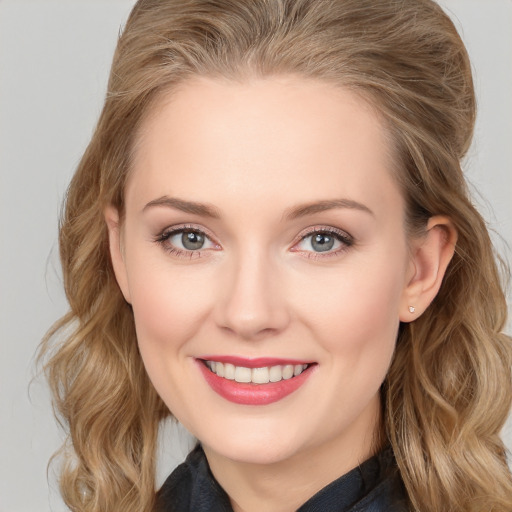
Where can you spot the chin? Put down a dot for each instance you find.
(262, 454)
(255, 447)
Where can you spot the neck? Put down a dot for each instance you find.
(285, 485)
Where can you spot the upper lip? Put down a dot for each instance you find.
(257, 362)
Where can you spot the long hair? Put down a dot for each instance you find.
(449, 388)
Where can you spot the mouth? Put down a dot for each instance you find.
(255, 381)
(261, 375)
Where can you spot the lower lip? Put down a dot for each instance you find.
(253, 394)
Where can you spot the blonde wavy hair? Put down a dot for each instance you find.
(449, 388)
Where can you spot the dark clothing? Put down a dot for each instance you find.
(374, 486)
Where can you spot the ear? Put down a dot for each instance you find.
(431, 255)
(116, 250)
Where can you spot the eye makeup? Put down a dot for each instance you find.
(191, 235)
(195, 241)
(336, 242)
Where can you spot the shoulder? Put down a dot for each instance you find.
(373, 486)
(192, 487)
(388, 493)
(176, 491)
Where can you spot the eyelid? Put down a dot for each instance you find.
(344, 238)
(170, 230)
(323, 229)
(163, 237)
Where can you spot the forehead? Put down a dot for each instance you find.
(253, 140)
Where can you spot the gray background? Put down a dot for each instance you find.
(54, 60)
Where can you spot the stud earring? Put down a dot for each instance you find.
(412, 309)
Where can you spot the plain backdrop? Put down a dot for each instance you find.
(54, 61)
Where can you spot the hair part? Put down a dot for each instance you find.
(407, 60)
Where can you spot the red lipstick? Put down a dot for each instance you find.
(250, 393)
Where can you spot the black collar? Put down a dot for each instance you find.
(374, 486)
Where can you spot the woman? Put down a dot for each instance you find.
(270, 238)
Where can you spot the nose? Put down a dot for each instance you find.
(252, 303)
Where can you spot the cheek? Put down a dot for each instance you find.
(169, 307)
(168, 303)
(355, 311)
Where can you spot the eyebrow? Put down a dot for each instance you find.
(205, 210)
(302, 210)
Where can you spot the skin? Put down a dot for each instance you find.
(258, 287)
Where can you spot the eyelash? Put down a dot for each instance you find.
(344, 238)
(165, 235)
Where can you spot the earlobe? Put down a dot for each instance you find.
(431, 256)
(116, 252)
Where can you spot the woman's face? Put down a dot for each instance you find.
(264, 238)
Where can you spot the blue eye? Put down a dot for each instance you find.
(325, 241)
(185, 241)
(189, 240)
(322, 242)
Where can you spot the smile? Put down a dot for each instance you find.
(262, 375)
(254, 382)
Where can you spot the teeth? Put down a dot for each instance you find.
(275, 373)
(260, 375)
(288, 371)
(219, 370)
(229, 371)
(256, 375)
(242, 374)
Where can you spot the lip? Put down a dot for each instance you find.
(258, 362)
(253, 394)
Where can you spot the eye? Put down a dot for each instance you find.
(185, 241)
(189, 240)
(330, 241)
